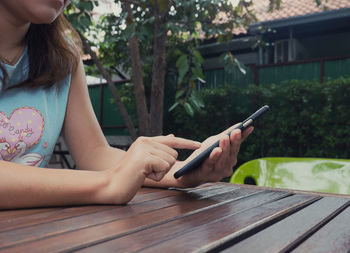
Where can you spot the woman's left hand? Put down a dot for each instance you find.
(220, 162)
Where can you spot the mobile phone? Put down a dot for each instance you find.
(198, 160)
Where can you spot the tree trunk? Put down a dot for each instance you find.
(158, 76)
(160, 37)
(139, 88)
(127, 120)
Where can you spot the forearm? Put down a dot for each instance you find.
(25, 186)
(100, 158)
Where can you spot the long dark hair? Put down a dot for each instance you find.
(53, 51)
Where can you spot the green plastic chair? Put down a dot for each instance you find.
(309, 174)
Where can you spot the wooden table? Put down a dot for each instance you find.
(214, 217)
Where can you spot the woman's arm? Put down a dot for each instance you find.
(24, 186)
(82, 132)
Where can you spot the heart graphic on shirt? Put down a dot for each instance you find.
(24, 126)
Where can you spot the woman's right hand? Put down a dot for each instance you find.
(147, 157)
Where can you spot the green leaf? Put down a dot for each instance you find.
(196, 99)
(181, 60)
(130, 30)
(194, 103)
(173, 106)
(85, 5)
(201, 80)
(182, 66)
(198, 56)
(198, 74)
(240, 66)
(189, 109)
(84, 22)
(179, 93)
(230, 63)
(149, 20)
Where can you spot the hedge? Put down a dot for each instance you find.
(307, 119)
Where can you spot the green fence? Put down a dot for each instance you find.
(279, 74)
(337, 68)
(106, 110)
(219, 77)
(323, 69)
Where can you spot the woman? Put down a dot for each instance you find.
(43, 91)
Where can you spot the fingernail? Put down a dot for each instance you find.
(219, 151)
(238, 133)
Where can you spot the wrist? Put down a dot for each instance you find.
(118, 187)
(98, 184)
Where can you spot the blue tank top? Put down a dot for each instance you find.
(30, 119)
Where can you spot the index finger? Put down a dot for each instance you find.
(177, 142)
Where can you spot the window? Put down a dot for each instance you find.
(284, 50)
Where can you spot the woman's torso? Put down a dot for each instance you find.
(30, 119)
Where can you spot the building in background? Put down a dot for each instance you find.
(299, 41)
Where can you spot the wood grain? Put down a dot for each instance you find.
(220, 230)
(209, 218)
(50, 215)
(184, 224)
(334, 237)
(116, 220)
(287, 233)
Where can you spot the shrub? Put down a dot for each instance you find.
(307, 119)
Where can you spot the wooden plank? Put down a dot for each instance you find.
(144, 190)
(285, 234)
(215, 192)
(118, 212)
(24, 218)
(131, 223)
(334, 237)
(139, 198)
(219, 231)
(13, 213)
(319, 194)
(8, 214)
(181, 224)
(146, 194)
(48, 216)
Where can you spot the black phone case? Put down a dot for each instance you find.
(197, 161)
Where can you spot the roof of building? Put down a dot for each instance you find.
(293, 9)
